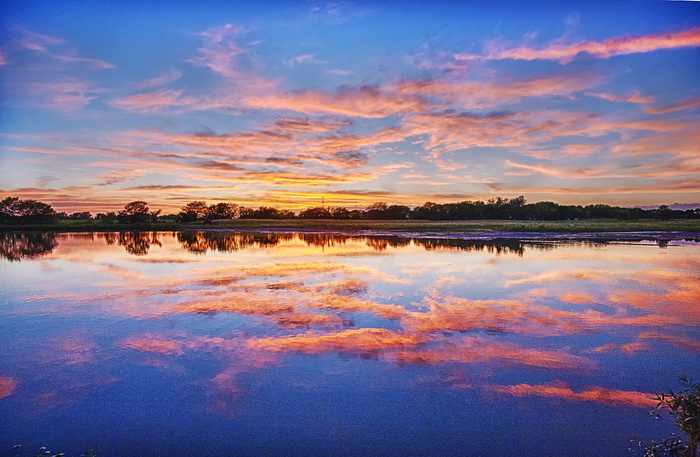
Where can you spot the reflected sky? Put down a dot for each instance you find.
(329, 344)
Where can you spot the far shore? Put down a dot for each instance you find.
(475, 227)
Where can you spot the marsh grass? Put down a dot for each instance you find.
(345, 225)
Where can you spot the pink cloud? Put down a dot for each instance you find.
(38, 42)
(691, 103)
(7, 386)
(632, 97)
(364, 102)
(68, 96)
(154, 101)
(617, 46)
(161, 80)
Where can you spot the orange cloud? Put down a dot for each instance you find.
(596, 394)
(7, 386)
(618, 46)
(354, 340)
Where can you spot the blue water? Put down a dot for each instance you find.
(223, 343)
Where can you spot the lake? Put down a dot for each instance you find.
(284, 343)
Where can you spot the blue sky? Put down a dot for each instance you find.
(279, 104)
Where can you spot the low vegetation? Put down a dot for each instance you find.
(684, 407)
(496, 214)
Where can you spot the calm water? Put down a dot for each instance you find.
(222, 343)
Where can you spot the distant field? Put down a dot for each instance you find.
(589, 225)
(593, 225)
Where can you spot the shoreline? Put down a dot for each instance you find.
(473, 228)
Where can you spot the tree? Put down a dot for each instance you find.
(193, 211)
(318, 212)
(222, 211)
(664, 213)
(136, 212)
(12, 209)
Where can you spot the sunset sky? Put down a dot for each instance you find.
(280, 104)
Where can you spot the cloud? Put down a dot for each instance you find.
(632, 97)
(302, 60)
(165, 78)
(38, 42)
(565, 53)
(154, 101)
(339, 72)
(67, 96)
(114, 177)
(483, 94)
(595, 394)
(629, 348)
(223, 54)
(363, 102)
(684, 342)
(691, 103)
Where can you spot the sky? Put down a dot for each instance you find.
(295, 104)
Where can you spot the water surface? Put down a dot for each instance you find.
(281, 343)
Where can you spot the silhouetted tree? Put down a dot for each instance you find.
(318, 212)
(193, 211)
(222, 211)
(137, 212)
(14, 210)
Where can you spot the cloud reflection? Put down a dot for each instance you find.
(596, 394)
(285, 296)
(7, 386)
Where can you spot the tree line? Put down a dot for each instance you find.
(16, 211)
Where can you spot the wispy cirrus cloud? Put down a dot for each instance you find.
(154, 101)
(632, 97)
(67, 96)
(302, 60)
(565, 53)
(163, 79)
(362, 102)
(690, 104)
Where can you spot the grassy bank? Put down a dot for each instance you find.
(582, 226)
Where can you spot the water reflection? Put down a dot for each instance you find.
(201, 242)
(253, 326)
(19, 245)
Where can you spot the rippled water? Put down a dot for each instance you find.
(252, 343)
